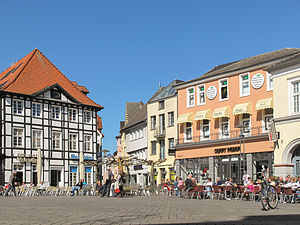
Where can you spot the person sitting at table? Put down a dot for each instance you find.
(208, 187)
(188, 182)
(229, 182)
(218, 181)
(77, 187)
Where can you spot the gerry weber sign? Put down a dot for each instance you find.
(257, 81)
(211, 92)
(227, 150)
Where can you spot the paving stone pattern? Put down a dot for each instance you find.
(139, 210)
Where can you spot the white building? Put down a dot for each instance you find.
(41, 108)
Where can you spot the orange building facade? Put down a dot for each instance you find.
(223, 118)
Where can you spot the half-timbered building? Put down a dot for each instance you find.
(41, 108)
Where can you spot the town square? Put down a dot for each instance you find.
(149, 112)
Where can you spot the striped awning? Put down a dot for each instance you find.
(221, 112)
(185, 118)
(244, 108)
(264, 104)
(202, 115)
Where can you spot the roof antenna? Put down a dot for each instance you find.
(159, 85)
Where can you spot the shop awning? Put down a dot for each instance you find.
(264, 104)
(202, 115)
(244, 108)
(185, 118)
(221, 112)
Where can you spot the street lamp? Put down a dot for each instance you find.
(242, 135)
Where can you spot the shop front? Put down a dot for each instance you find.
(226, 160)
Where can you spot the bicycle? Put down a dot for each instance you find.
(268, 196)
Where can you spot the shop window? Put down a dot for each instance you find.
(268, 116)
(73, 175)
(201, 94)
(19, 169)
(223, 89)
(190, 97)
(188, 132)
(88, 175)
(244, 84)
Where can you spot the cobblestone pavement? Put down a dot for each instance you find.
(139, 210)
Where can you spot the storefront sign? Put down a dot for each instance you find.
(227, 150)
(257, 81)
(86, 157)
(211, 92)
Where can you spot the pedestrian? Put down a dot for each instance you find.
(121, 183)
(107, 185)
(77, 187)
(11, 183)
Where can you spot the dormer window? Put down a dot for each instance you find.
(161, 105)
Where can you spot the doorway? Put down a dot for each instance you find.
(296, 161)
(55, 178)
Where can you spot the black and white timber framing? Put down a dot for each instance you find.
(53, 159)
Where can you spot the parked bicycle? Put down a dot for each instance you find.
(268, 196)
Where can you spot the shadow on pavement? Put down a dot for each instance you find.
(267, 219)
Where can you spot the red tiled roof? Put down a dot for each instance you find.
(36, 72)
(99, 124)
(81, 88)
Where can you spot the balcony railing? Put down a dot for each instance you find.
(232, 134)
(160, 132)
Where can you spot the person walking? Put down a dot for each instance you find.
(12, 183)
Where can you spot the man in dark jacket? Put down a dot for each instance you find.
(11, 183)
(77, 187)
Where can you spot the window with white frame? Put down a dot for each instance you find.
(246, 121)
(205, 129)
(87, 117)
(269, 82)
(244, 84)
(18, 137)
(56, 140)
(36, 109)
(224, 127)
(188, 134)
(36, 138)
(72, 115)
(201, 94)
(73, 142)
(170, 119)
(223, 89)
(55, 112)
(87, 142)
(190, 97)
(153, 122)
(268, 116)
(18, 107)
(295, 97)
(73, 175)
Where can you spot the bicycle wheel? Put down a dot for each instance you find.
(264, 198)
(190, 193)
(272, 197)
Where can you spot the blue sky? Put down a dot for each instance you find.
(122, 49)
